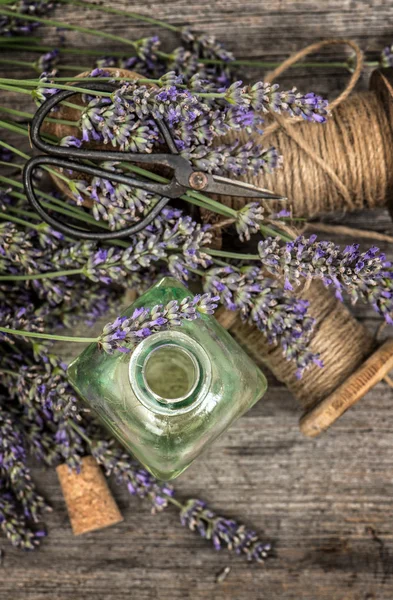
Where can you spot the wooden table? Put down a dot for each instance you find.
(326, 503)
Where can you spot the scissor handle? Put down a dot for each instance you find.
(74, 231)
(170, 190)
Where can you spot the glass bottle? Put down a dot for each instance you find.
(175, 393)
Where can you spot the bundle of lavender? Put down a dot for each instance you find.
(49, 282)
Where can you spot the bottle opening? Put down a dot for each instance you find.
(170, 373)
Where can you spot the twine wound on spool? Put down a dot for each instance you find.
(89, 501)
(352, 365)
(342, 165)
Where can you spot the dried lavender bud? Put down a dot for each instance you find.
(24, 318)
(146, 321)
(16, 249)
(70, 141)
(40, 94)
(126, 470)
(13, 469)
(386, 57)
(47, 61)
(263, 302)
(248, 220)
(223, 532)
(365, 276)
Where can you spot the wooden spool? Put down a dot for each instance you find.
(353, 365)
(296, 162)
(358, 365)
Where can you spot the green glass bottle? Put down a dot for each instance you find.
(175, 393)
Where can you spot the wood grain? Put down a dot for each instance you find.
(326, 503)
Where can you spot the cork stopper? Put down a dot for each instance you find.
(89, 501)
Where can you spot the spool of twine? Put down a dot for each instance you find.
(352, 363)
(342, 165)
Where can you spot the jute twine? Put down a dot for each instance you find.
(340, 340)
(342, 165)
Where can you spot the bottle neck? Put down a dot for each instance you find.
(169, 372)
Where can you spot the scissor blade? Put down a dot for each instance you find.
(230, 187)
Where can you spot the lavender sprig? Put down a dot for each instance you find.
(13, 470)
(194, 514)
(13, 525)
(145, 321)
(366, 276)
(262, 301)
(128, 471)
(223, 532)
(195, 117)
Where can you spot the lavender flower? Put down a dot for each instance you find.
(12, 26)
(386, 57)
(126, 470)
(248, 220)
(118, 203)
(146, 48)
(145, 321)
(170, 231)
(237, 159)
(223, 532)
(13, 470)
(45, 395)
(47, 61)
(365, 276)
(263, 302)
(13, 525)
(266, 96)
(186, 59)
(16, 248)
(194, 121)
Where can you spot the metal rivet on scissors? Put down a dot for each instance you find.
(185, 177)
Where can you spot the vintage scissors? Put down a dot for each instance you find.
(184, 178)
